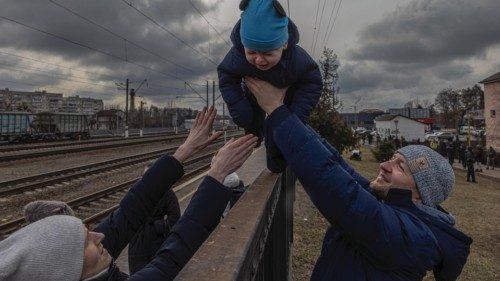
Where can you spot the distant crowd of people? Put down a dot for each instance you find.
(472, 158)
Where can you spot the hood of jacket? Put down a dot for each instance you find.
(454, 244)
(293, 36)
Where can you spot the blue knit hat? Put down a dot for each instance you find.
(433, 174)
(262, 27)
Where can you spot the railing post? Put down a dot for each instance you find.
(276, 261)
(254, 240)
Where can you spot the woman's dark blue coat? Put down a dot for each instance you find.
(296, 70)
(368, 239)
(200, 218)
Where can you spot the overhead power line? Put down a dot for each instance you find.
(169, 32)
(319, 27)
(43, 71)
(58, 65)
(334, 20)
(329, 22)
(201, 14)
(51, 75)
(119, 36)
(315, 26)
(73, 69)
(34, 85)
(89, 47)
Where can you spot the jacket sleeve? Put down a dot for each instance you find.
(371, 226)
(199, 220)
(335, 156)
(306, 95)
(232, 92)
(139, 204)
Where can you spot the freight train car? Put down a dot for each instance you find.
(61, 125)
(15, 126)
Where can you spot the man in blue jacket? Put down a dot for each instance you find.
(61, 248)
(389, 229)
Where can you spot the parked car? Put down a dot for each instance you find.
(464, 130)
(445, 136)
(430, 136)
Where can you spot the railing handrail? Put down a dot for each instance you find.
(255, 231)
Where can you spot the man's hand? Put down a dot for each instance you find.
(231, 156)
(199, 136)
(268, 96)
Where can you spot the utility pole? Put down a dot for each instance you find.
(142, 117)
(213, 93)
(126, 108)
(355, 111)
(207, 94)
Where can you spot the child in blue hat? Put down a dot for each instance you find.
(265, 46)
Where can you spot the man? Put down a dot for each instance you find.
(389, 229)
(60, 247)
(492, 154)
(478, 155)
(450, 151)
(470, 159)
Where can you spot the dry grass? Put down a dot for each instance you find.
(475, 206)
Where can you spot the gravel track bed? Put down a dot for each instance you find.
(29, 167)
(11, 206)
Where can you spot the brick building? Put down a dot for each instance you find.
(47, 102)
(491, 110)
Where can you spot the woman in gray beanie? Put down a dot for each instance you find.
(60, 247)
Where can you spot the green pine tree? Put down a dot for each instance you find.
(325, 118)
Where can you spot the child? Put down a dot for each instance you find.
(265, 46)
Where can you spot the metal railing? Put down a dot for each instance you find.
(254, 240)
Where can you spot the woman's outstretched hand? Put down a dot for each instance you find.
(231, 156)
(199, 136)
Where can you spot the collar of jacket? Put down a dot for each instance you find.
(399, 197)
(113, 273)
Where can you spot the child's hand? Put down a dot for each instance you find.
(268, 96)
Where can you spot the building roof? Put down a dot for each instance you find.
(109, 112)
(390, 117)
(371, 110)
(493, 78)
(386, 117)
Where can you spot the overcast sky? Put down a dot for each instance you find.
(390, 51)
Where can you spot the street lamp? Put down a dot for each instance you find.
(396, 123)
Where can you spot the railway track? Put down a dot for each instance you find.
(93, 207)
(33, 146)
(4, 157)
(17, 186)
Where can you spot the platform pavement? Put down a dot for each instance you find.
(250, 170)
(491, 174)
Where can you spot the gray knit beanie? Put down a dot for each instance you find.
(40, 209)
(433, 174)
(49, 249)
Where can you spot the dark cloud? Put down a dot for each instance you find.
(420, 48)
(432, 31)
(124, 59)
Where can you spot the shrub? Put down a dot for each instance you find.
(384, 151)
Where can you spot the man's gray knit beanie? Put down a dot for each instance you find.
(40, 209)
(433, 174)
(46, 250)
